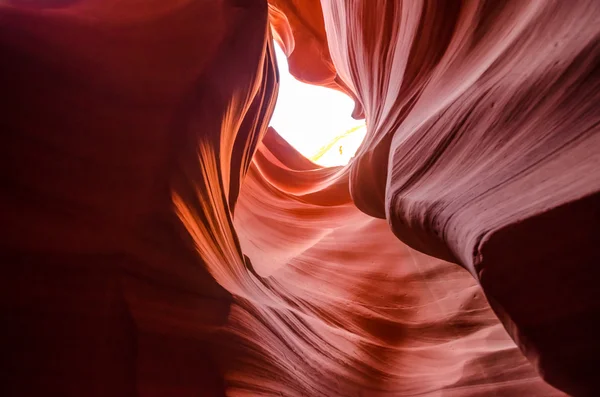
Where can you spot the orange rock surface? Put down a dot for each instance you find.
(159, 240)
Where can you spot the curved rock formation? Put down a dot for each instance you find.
(160, 240)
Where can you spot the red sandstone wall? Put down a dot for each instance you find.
(159, 240)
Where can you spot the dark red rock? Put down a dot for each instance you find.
(159, 240)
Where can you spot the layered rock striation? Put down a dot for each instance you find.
(160, 240)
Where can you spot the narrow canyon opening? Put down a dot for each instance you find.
(160, 240)
(315, 120)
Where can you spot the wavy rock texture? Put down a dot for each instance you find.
(160, 240)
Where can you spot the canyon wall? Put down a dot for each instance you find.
(160, 240)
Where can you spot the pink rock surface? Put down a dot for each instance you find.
(160, 240)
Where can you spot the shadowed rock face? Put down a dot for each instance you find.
(159, 240)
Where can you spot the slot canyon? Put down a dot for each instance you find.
(161, 238)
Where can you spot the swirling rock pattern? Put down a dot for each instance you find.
(160, 240)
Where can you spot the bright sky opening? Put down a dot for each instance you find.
(315, 120)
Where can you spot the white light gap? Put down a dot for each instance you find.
(315, 120)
